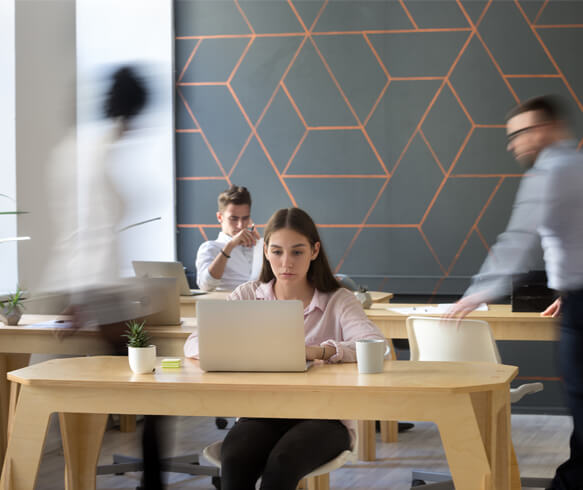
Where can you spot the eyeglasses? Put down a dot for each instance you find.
(512, 136)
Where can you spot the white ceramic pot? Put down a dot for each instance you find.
(142, 359)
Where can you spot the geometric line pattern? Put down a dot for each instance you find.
(334, 101)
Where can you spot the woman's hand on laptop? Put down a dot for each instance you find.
(314, 352)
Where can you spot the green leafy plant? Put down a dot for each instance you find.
(136, 335)
(14, 302)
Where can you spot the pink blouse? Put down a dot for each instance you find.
(330, 319)
(335, 319)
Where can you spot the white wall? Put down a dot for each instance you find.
(45, 71)
(63, 49)
(111, 33)
(8, 260)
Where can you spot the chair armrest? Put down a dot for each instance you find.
(516, 394)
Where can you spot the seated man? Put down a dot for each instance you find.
(236, 255)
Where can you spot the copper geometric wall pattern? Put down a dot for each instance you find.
(383, 119)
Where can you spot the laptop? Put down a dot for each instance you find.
(156, 301)
(251, 335)
(145, 268)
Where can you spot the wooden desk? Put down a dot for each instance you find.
(18, 343)
(188, 303)
(470, 403)
(505, 324)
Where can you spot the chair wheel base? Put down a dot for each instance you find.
(221, 422)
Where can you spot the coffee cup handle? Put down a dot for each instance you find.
(387, 350)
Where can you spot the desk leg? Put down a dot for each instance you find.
(127, 423)
(26, 443)
(82, 436)
(390, 428)
(366, 440)
(14, 392)
(389, 431)
(475, 431)
(8, 362)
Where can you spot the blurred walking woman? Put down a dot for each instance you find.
(295, 267)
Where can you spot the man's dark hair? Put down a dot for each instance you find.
(236, 194)
(550, 107)
(127, 94)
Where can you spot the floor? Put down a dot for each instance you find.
(541, 444)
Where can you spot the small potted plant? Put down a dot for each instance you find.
(11, 308)
(141, 354)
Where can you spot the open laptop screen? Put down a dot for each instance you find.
(251, 335)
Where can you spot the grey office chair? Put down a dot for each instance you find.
(433, 339)
(188, 464)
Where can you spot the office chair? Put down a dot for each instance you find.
(433, 339)
(318, 479)
(188, 464)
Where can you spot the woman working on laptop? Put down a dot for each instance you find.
(295, 267)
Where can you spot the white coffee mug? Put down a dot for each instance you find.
(370, 355)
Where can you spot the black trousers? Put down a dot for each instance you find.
(281, 451)
(569, 475)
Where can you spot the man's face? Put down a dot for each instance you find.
(234, 218)
(528, 135)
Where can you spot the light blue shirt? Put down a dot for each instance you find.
(547, 211)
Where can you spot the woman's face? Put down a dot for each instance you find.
(289, 254)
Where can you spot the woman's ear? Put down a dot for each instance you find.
(315, 250)
(265, 249)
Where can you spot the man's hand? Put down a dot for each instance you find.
(553, 310)
(78, 317)
(465, 306)
(246, 238)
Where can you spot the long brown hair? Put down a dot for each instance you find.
(319, 274)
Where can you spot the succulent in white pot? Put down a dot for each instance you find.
(141, 354)
(11, 308)
(364, 297)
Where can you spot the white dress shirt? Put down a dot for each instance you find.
(548, 210)
(244, 265)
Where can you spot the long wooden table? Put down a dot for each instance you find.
(506, 325)
(470, 403)
(16, 345)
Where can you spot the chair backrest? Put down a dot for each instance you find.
(436, 339)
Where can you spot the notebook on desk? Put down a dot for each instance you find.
(148, 268)
(251, 335)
